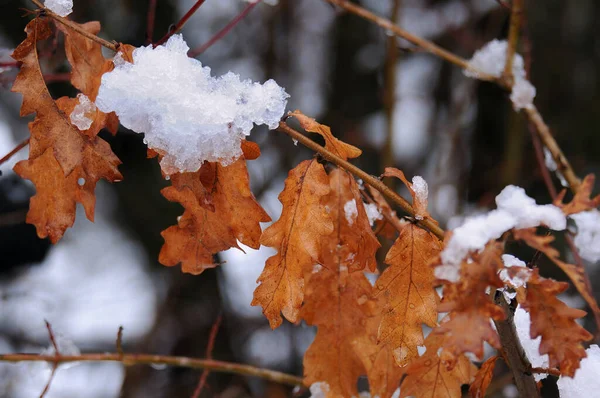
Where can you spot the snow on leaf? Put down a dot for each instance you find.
(418, 190)
(483, 378)
(552, 319)
(576, 273)
(343, 150)
(429, 376)
(470, 306)
(66, 158)
(186, 114)
(220, 209)
(586, 378)
(409, 298)
(297, 236)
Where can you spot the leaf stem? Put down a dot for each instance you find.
(181, 22)
(16, 149)
(75, 27)
(175, 361)
(367, 178)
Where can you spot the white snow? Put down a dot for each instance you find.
(319, 389)
(491, 59)
(586, 379)
(186, 114)
(530, 346)
(419, 185)
(80, 115)
(350, 211)
(551, 165)
(587, 239)
(60, 7)
(373, 212)
(521, 277)
(515, 210)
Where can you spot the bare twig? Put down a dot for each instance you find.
(16, 149)
(119, 342)
(220, 34)
(516, 13)
(147, 359)
(181, 22)
(75, 27)
(550, 371)
(367, 178)
(209, 349)
(150, 21)
(55, 363)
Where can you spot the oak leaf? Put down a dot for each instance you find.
(419, 201)
(82, 160)
(297, 236)
(552, 319)
(220, 209)
(407, 288)
(483, 378)
(582, 200)
(429, 375)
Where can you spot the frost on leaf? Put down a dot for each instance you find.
(429, 375)
(483, 378)
(470, 306)
(586, 378)
(220, 210)
(406, 286)
(339, 301)
(187, 115)
(59, 156)
(575, 272)
(297, 236)
(554, 321)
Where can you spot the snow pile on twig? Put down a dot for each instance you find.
(60, 7)
(187, 115)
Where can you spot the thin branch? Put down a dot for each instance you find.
(550, 371)
(367, 178)
(209, 349)
(147, 359)
(150, 21)
(75, 27)
(220, 34)
(16, 149)
(513, 39)
(181, 22)
(55, 363)
(119, 341)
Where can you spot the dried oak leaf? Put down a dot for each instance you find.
(340, 148)
(338, 300)
(429, 375)
(552, 319)
(81, 160)
(483, 378)
(419, 201)
(220, 209)
(582, 200)
(297, 236)
(470, 307)
(407, 289)
(576, 273)
(389, 225)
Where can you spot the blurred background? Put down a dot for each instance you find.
(402, 107)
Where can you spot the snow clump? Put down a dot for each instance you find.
(319, 389)
(587, 239)
(350, 211)
(79, 116)
(187, 115)
(515, 210)
(490, 59)
(530, 346)
(373, 212)
(586, 378)
(60, 7)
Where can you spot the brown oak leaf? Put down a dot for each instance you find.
(552, 319)
(88, 159)
(483, 378)
(297, 236)
(407, 288)
(220, 209)
(582, 200)
(429, 375)
(419, 201)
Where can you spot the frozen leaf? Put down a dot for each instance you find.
(220, 210)
(407, 289)
(297, 236)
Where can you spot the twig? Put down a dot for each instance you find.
(119, 342)
(148, 359)
(550, 371)
(209, 349)
(150, 21)
(75, 27)
(367, 178)
(55, 363)
(516, 13)
(16, 149)
(220, 34)
(181, 22)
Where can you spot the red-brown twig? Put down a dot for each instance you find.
(150, 21)
(181, 22)
(119, 342)
(550, 371)
(55, 363)
(16, 149)
(209, 349)
(220, 34)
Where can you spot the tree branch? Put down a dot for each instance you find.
(146, 359)
(75, 27)
(513, 39)
(16, 149)
(181, 22)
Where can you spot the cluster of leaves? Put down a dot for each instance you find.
(323, 253)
